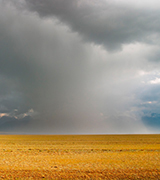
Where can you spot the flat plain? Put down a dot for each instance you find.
(79, 157)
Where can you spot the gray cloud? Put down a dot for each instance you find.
(13, 125)
(56, 72)
(49, 69)
(103, 22)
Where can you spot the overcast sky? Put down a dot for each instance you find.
(79, 66)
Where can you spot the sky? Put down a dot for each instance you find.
(79, 66)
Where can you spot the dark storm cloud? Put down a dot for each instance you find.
(10, 98)
(104, 22)
(48, 66)
(13, 125)
(52, 81)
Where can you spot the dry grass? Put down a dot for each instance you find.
(80, 157)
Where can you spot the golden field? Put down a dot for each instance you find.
(79, 157)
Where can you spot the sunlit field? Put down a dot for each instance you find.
(79, 156)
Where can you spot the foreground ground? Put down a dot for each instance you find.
(80, 157)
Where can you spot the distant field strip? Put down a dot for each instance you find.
(79, 157)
